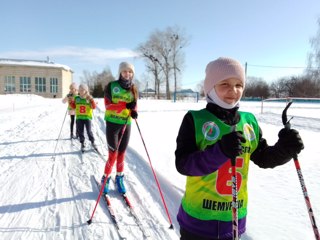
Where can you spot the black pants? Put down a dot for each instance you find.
(72, 117)
(115, 134)
(185, 235)
(80, 130)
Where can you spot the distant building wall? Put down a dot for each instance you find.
(42, 78)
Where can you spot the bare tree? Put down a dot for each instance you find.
(295, 86)
(276, 89)
(306, 88)
(282, 87)
(97, 81)
(313, 69)
(200, 88)
(86, 78)
(163, 54)
(152, 64)
(256, 87)
(178, 41)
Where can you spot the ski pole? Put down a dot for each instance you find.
(155, 177)
(54, 152)
(105, 179)
(235, 233)
(287, 125)
(97, 201)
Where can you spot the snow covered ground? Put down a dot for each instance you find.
(47, 191)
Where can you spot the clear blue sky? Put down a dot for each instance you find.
(91, 35)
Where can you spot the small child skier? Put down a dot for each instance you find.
(83, 105)
(72, 93)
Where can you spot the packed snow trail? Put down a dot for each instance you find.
(54, 191)
(52, 198)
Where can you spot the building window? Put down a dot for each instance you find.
(25, 84)
(53, 85)
(40, 84)
(9, 84)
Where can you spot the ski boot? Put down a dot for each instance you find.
(82, 147)
(106, 187)
(120, 185)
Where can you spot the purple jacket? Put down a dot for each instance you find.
(190, 161)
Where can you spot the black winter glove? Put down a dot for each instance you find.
(134, 114)
(131, 105)
(70, 96)
(230, 144)
(290, 141)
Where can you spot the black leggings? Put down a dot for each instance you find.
(72, 117)
(81, 124)
(185, 235)
(114, 136)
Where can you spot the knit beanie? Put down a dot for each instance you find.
(73, 85)
(221, 69)
(125, 65)
(84, 87)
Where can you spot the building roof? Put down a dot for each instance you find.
(35, 63)
(185, 91)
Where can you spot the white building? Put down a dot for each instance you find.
(42, 78)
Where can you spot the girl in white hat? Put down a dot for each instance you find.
(84, 105)
(72, 93)
(121, 106)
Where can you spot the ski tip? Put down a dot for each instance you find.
(89, 221)
(171, 226)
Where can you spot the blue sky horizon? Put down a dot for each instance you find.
(90, 36)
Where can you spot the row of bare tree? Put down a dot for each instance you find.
(164, 58)
(303, 87)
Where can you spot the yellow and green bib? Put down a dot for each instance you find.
(119, 94)
(210, 197)
(83, 108)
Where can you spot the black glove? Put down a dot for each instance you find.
(131, 105)
(70, 96)
(290, 141)
(230, 144)
(134, 114)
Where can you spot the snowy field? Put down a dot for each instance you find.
(48, 193)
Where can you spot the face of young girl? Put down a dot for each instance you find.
(229, 90)
(82, 92)
(73, 90)
(127, 74)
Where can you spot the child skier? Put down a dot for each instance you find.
(72, 93)
(83, 105)
(121, 105)
(206, 142)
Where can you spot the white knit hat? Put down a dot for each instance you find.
(84, 87)
(73, 85)
(124, 66)
(221, 69)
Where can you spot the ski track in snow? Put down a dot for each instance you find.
(63, 200)
(47, 195)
